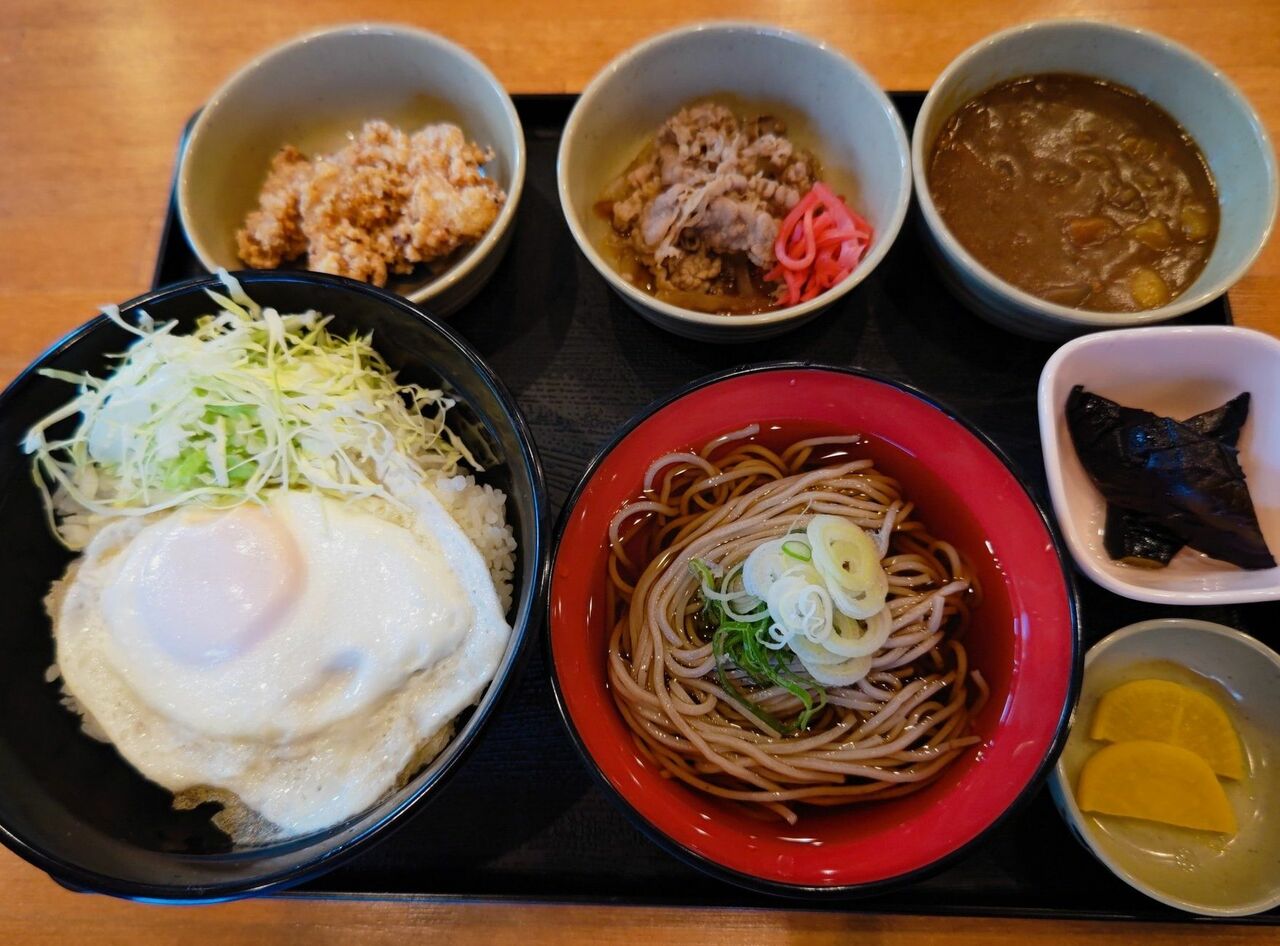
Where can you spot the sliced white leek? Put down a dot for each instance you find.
(849, 563)
(764, 566)
(801, 607)
(851, 638)
(812, 654)
(842, 674)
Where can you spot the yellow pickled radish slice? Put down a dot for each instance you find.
(1206, 730)
(1164, 711)
(1155, 781)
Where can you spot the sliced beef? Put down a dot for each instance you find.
(708, 186)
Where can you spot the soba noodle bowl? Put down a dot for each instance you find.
(747, 661)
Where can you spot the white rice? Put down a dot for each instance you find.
(53, 674)
(480, 510)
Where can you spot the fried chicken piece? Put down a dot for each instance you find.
(272, 234)
(379, 205)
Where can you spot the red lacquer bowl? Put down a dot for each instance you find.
(1023, 637)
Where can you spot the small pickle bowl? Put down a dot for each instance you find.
(318, 90)
(1174, 371)
(1189, 870)
(830, 105)
(1198, 96)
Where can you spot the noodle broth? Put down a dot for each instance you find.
(988, 644)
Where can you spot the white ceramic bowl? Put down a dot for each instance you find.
(313, 92)
(829, 103)
(1197, 94)
(1194, 872)
(1174, 371)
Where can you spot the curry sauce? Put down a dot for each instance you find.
(1081, 192)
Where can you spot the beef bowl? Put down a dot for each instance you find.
(731, 180)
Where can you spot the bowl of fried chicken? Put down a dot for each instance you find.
(379, 153)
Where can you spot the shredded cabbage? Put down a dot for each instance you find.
(251, 400)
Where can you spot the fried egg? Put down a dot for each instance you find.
(297, 653)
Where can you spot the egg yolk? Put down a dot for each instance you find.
(211, 588)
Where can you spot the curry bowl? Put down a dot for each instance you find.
(1022, 637)
(1192, 91)
(72, 805)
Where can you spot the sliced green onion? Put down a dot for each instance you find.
(183, 473)
(797, 550)
(719, 650)
(249, 400)
(739, 643)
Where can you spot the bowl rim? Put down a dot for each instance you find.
(887, 236)
(1033, 307)
(1053, 446)
(243, 75)
(496, 693)
(1065, 798)
(705, 863)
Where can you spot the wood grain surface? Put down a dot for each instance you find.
(94, 97)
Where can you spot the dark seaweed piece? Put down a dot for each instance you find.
(1137, 539)
(1223, 423)
(1188, 482)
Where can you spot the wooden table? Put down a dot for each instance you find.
(94, 97)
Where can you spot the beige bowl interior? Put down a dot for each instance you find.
(317, 91)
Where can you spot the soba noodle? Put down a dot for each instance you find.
(889, 734)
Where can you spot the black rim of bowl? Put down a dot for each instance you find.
(750, 881)
(456, 751)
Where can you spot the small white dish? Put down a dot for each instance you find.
(1174, 371)
(830, 105)
(1194, 91)
(1190, 870)
(315, 92)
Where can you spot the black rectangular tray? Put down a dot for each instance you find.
(522, 819)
